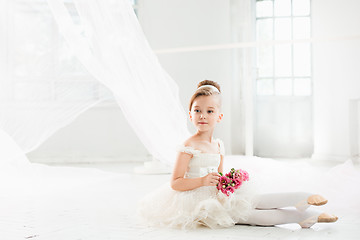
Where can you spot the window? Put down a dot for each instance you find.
(283, 69)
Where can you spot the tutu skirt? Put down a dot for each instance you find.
(204, 206)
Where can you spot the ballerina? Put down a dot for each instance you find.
(191, 198)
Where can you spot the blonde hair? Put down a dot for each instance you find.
(205, 91)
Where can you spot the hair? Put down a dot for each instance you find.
(205, 91)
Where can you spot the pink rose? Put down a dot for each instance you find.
(230, 189)
(242, 174)
(223, 183)
(232, 180)
(237, 174)
(224, 180)
(245, 175)
(237, 182)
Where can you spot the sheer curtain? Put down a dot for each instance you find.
(42, 87)
(116, 52)
(107, 39)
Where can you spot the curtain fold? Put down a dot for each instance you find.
(107, 41)
(39, 93)
(113, 48)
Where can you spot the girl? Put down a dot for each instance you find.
(192, 198)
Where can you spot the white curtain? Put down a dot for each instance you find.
(106, 38)
(41, 84)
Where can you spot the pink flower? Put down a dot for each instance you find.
(237, 182)
(232, 180)
(244, 174)
(224, 180)
(230, 189)
(223, 183)
(237, 174)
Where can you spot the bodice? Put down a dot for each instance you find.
(201, 163)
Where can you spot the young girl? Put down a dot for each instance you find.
(192, 199)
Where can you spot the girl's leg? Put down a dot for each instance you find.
(281, 216)
(289, 199)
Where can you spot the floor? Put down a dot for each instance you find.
(98, 202)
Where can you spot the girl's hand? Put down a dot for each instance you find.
(212, 179)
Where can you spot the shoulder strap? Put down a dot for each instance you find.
(187, 149)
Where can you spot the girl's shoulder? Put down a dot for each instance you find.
(189, 147)
(193, 147)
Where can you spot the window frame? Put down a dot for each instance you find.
(274, 75)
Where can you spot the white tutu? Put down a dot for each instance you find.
(205, 206)
(201, 206)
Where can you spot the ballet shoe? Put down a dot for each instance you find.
(316, 200)
(327, 218)
(322, 218)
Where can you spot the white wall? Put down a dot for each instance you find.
(176, 23)
(357, 139)
(336, 71)
(354, 131)
(182, 23)
(102, 133)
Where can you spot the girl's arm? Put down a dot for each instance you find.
(179, 183)
(221, 165)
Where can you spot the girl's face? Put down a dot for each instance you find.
(205, 112)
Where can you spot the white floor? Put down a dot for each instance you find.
(98, 201)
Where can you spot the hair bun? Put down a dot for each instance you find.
(209, 82)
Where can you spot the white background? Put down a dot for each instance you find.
(102, 133)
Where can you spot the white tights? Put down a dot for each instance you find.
(268, 213)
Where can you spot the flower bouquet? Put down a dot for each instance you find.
(232, 180)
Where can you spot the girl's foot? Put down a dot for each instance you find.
(325, 217)
(322, 218)
(316, 200)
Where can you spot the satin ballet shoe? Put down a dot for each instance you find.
(322, 218)
(315, 200)
(327, 218)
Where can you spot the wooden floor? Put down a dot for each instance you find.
(98, 202)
